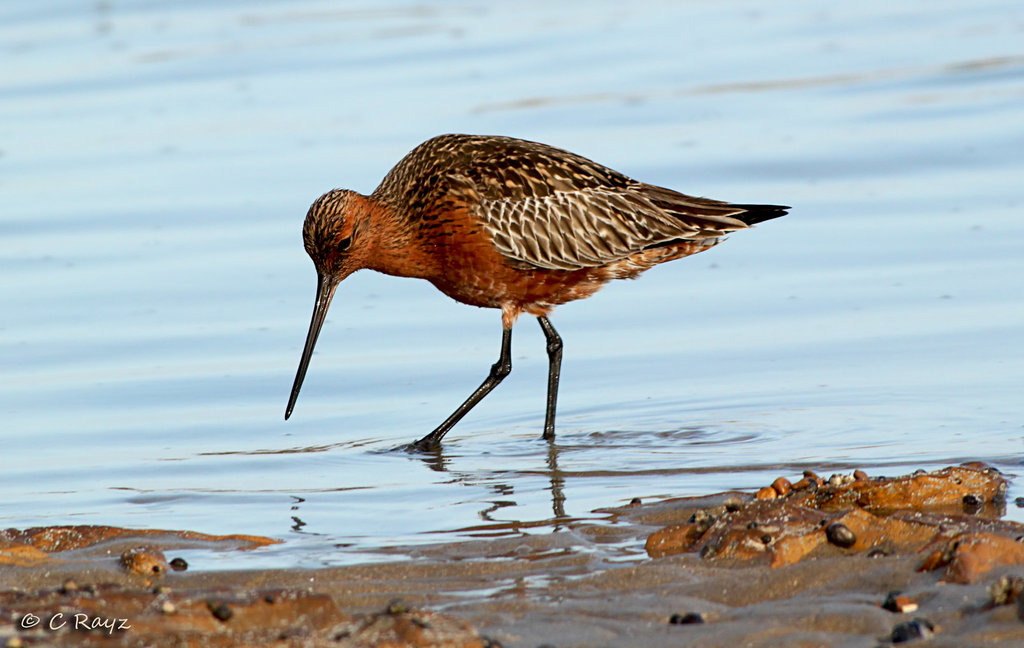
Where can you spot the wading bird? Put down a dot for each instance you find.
(505, 223)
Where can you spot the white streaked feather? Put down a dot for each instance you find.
(583, 228)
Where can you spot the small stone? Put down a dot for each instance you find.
(1006, 590)
(636, 501)
(733, 504)
(686, 619)
(911, 630)
(396, 606)
(971, 500)
(220, 609)
(144, 560)
(168, 608)
(860, 475)
(813, 476)
(702, 520)
(766, 539)
(752, 524)
(766, 493)
(782, 485)
(806, 482)
(179, 564)
(68, 587)
(835, 480)
(1019, 502)
(895, 602)
(840, 535)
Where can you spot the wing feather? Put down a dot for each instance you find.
(549, 208)
(567, 230)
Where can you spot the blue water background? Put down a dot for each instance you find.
(157, 159)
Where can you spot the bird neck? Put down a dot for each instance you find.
(395, 247)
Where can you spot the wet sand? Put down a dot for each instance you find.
(948, 554)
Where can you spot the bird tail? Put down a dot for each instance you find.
(753, 214)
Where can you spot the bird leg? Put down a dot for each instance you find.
(554, 368)
(499, 370)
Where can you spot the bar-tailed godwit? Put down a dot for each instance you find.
(506, 223)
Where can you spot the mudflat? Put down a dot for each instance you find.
(848, 560)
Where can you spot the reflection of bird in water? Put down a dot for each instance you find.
(505, 223)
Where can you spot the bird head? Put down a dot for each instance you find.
(331, 239)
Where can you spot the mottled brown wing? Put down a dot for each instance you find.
(548, 207)
(594, 226)
(568, 230)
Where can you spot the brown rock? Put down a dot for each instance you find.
(782, 486)
(64, 538)
(674, 539)
(974, 554)
(22, 556)
(944, 488)
(145, 561)
(805, 483)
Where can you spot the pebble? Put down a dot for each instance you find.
(860, 475)
(220, 609)
(895, 602)
(179, 564)
(1006, 590)
(686, 619)
(168, 608)
(767, 493)
(703, 520)
(806, 482)
(397, 606)
(972, 500)
(910, 630)
(782, 486)
(840, 535)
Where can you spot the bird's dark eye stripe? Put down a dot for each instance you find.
(344, 243)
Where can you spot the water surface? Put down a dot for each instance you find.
(157, 159)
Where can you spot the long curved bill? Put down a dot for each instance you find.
(325, 287)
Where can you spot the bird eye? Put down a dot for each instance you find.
(344, 243)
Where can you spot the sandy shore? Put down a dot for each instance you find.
(571, 587)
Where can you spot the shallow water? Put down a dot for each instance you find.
(156, 161)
